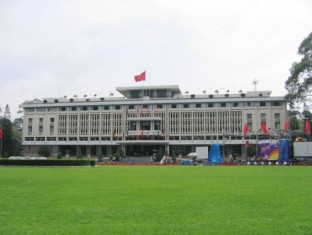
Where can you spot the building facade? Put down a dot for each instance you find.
(145, 118)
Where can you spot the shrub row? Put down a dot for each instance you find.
(79, 162)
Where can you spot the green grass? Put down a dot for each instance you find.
(156, 200)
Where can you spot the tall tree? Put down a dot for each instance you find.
(299, 83)
(17, 129)
(7, 113)
(7, 137)
(294, 117)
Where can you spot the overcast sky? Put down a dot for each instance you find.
(77, 47)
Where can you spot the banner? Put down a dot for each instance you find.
(268, 151)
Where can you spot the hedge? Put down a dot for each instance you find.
(79, 162)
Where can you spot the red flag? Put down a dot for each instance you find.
(247, 143)
(307, 127)
(140, 77)
(286, 126)
(264, 129)
(0, 133)
(245, 129)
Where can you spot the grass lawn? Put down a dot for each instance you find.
(156, 200)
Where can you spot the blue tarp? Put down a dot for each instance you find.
(284, 151)
(214, 154)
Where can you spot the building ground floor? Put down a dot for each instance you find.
(134, 148)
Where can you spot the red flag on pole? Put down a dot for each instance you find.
(247, 143)
(140, 77)
(307, 127)
(286, 126)
(0, 133)
(264, 129)
(142, 134)
(245, 129)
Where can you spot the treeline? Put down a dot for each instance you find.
(11, 134)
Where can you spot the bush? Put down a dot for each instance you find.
(59, 156)
(173, 156)
(44, 151)
(7, 162)
(160, 154)
(100, 157)
(119, 153)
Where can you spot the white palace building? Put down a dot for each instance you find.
(145, 118)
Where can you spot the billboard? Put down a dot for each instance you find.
(268, 151)
(303, 149)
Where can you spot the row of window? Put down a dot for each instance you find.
(158, 106)
(186, 122)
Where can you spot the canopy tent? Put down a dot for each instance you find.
(214, 154)
(284, 151)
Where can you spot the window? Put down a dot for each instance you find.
(131, 106)
(132, 125)
(41, 109)
(276, 103)
(235, 104)
(63, 109)
(40, 130)
(263, 117)
(159, 106)
(249, 121)
(223, 105)
(173, 106)
(249, 104)
(117, 107)
(161, 93)
(145, 125)
(84, 108)
(185, 106)
(51, 130)
(29, 110)
(277, 121)
(134, 94)
(210, 105)
(95, 108)
(157, 125)
(51, 119)
(106, 107)
(73, 108)
(262, 104)
(198, 105)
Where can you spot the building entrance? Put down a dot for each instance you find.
(142, 150)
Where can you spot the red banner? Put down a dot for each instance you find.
(140, 77)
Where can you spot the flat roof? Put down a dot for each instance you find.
(123, 90)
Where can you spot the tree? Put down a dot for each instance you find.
(294, 117)
(7, 137)
(7, 113)
(299, 83)
(251, 150)
(160, 154)
(16, 141)
(118, 154)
